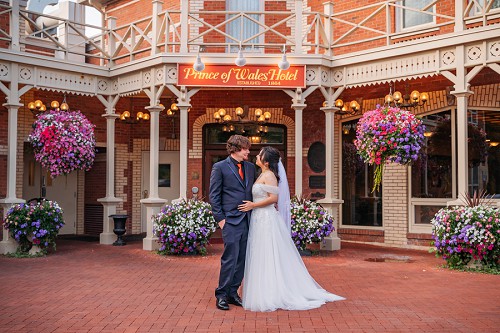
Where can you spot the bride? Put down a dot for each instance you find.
(275, 275)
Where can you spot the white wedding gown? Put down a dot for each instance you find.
(275, 275)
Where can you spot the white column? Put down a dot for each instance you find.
(298, 147)
(8, 245)
(184, 26)
(112, 39)
(327, 22)
(462, 146)
(330, 202)
(153, 203)
(298, 26)
(157, 8)
(110, 202)
(462, 93)
(459, 16)
(14, 25)
(183, 160)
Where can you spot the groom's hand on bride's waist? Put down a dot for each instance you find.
(246, 206)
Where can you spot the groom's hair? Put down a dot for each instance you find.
(236, 143)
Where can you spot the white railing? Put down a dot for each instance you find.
(328, 32)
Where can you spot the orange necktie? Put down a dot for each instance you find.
(240, 170)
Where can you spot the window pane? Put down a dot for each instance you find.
(484, 151)
(164, 175)
(424, 214)
(263, 134)
(432, 173)
(361, 206)
(479, 6)
(413, 18)
(242, 27)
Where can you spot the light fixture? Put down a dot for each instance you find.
(221, 115)
(346, 128)
(139, 117)
(241, 112)
(198, 64)
(350, 108)
(408, 100)
(172, 110)
(492, 143)
(38, 106)
(240, 60)
(170, 114)
(284, 64)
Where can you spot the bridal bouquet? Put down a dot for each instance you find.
(184, 227)
(35, 223)
(310, 223)
(63, 141)
(388, 134)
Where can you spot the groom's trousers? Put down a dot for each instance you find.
(233, 259)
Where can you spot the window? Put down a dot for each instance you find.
(361, 207)
(164, 175)
(258, 134)
(242, 28)
(484, 151)
(415, 17)
(480, 7)
(431, 173)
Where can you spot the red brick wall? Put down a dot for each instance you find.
(419, 239)
(361, 235)
(5, 26)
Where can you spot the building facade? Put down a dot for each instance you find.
(140, 56)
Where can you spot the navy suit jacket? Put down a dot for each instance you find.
(227, 190)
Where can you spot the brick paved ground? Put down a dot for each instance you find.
(87, 287)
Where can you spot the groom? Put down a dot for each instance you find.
(231, 182)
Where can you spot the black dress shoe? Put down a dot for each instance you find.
(236, 300)
(221, 304)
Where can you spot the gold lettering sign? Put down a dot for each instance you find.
(247, 76)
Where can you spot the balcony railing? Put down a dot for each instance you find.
(302, 32)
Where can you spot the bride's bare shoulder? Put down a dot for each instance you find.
(269, 178)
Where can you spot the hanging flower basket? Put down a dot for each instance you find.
(63, 141)
(388, 134)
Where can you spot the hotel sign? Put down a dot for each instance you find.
(246, 76)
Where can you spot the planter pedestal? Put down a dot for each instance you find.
(119, 228)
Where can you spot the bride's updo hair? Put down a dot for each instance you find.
(272, 156)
